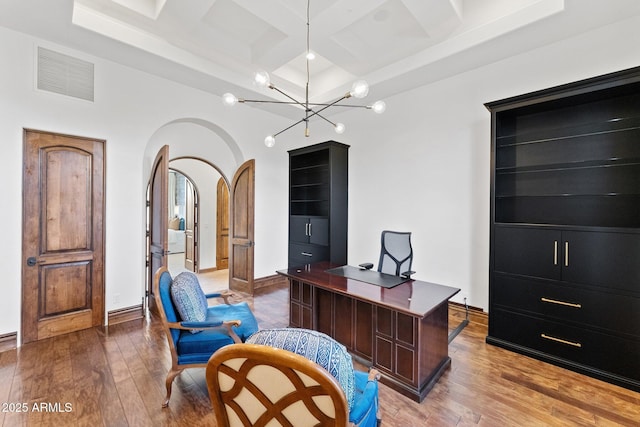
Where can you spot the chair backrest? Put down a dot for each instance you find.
(396, 253)
(162, 292)
(254, 385)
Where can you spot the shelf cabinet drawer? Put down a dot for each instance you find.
(574, 345)
(301, 254)
(617, 313)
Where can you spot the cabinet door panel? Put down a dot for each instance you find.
(319, 231)
(602, 259)
(528, 251)
(299, 229)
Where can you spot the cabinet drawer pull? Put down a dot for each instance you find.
(566, 254)
(555, 252)
(560, 340)
(554, 301)
(306, 254)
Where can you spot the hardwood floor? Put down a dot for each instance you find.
(115, 377)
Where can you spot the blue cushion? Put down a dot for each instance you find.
(198, 348)
(239, 311)
(188, 298)
(317, 347)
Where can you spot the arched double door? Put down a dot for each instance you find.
(241, 218)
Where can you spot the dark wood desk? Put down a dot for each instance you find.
(401, 331)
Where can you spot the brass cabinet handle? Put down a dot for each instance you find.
(555, 301)
(560, 340)
(306, 254)
(566, 254)
(555, 252)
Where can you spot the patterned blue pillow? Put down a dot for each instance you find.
(188, 298)
(317, 347)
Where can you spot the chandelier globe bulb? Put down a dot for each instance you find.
(261, 78)
(339, 128)
(360, 89)
(270, 141)
(379, 107)
(229, 99)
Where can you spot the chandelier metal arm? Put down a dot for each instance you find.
(313, 113)
(290, 97)
(311, 104)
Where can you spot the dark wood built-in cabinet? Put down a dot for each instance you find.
(564, 282)
(318, 179)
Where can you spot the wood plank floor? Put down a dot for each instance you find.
(115, 377)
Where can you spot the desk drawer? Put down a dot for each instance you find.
(567, 303)
(597, 350)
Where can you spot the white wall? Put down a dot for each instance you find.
(132, 111)
(423, 166)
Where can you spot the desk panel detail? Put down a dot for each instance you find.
(402, 332)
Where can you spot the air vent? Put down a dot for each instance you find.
(65, 74)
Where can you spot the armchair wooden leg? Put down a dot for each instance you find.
(168, 382)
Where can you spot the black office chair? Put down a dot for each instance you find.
(396, 254)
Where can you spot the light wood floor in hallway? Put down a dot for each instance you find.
(115, 377)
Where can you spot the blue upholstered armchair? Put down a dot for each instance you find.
(360, 388)
(195, 330)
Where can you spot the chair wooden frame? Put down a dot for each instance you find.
(234, 364)
(176, 368)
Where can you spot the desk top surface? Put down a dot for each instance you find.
(413, 297)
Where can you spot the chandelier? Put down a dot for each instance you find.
(360, 89)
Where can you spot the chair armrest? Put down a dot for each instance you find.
(224, 295)
(227, 324)
(408, 274)
(374, 375)
(366, 266)
(202, 325)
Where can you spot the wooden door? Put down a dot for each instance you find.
(222, 225)
(62, 234)
(241, 228)
(191, 228)
(158, 218)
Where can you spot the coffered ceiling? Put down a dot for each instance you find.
(395, 45)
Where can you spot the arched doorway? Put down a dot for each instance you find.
(199, 217)
(209, 144)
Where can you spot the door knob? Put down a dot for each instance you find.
(31, 261)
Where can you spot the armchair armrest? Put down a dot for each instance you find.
(224, 295)
(227, 324)
(366, 266)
